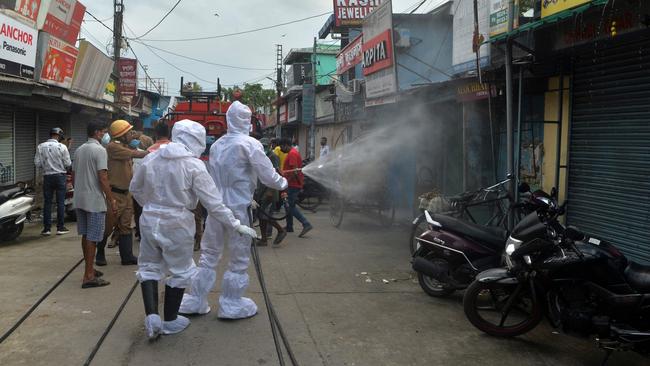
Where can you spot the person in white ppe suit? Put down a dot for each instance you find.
(168, 185)
(236, 162)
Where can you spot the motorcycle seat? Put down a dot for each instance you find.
(8, 193)
(638, 276)
(494, 237)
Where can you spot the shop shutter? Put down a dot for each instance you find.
(47, 121)
(25, 144)
(609, 169)
(6, 144)
(78, 133)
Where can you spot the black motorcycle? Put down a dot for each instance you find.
(583, 285)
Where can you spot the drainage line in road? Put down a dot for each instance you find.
(111, 324)
(31, 310)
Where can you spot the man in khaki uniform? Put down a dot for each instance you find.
(120, 172)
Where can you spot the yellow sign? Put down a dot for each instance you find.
(550, 7)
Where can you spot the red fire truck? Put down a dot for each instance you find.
(208, 109)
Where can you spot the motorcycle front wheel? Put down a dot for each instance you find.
(13, 233)
(501, 310)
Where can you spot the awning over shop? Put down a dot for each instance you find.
(547, 21)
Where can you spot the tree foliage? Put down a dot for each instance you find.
(253, 94)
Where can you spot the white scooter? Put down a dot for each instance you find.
(16, 204)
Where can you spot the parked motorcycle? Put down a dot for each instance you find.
(453, 251)
(582, 284)
(16, 203)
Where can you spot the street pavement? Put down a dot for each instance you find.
(328, 291)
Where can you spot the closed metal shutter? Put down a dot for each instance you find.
(26, 144)
(609, 169)
(78, 132)
(6, 144)
(47, 121)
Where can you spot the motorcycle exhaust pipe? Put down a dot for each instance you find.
(438, 270)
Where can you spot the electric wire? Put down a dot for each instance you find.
(202, 61)
(239, 33)
(100, 22)
(110, 325)
(176, 67)
(144, 69)
(37, 303)
(161, 20)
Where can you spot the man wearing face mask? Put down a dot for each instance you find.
(236, 162)
(168, 185)
(120, 172)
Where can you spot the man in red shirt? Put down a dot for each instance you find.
(291, 171)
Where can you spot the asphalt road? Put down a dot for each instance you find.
(327, 289)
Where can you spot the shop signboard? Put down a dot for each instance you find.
(91, 72)
(378, 58)
(550, 7)
(18, 48)
(350, 56)
(350, 13)
(56, 61)
(499, 16)
(293, 110)
(109, 91)
(27, 9)
(62, 19)
(474, 91)
(463, 55)
(128, 73)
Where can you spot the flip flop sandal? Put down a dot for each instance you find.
(97, 282)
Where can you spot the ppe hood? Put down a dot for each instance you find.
(239, 119)
(190, 134)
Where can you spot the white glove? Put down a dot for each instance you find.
(245, 230)
(255, 205)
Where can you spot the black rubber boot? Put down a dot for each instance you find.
(126, 250)
(150, 296)
(100, 257)
(173, 298)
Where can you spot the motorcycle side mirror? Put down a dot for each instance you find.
(524, 188)
(573, 233)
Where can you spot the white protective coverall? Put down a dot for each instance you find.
(236, 162)
(168, 185)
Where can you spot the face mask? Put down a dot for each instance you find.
(106, 139)
(134, 143)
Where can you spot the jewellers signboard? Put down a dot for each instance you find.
(19, 45)
(351, 13)
(350, 56)
(550, 7)
(378, 58)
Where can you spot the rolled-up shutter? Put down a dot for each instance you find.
(6, 144)
(609, 168)
(25, 144)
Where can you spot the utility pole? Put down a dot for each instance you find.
(278, 89)
(312, 128)
(509, 107)
(118, 9)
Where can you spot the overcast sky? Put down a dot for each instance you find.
(198, 18)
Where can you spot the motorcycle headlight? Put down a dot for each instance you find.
(511, 245)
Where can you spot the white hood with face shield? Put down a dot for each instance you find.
(191, 134)
(239, 119)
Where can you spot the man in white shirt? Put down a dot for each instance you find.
(324, 148)
(53, 158)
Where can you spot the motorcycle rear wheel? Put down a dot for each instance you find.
(523, 307)
(14, 233)
(433, 287)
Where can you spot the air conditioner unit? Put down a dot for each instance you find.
(355, 86)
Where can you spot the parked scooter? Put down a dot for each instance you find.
(453, 251)
(582, 284)
(16, 204)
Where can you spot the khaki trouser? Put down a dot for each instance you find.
(122, 221)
